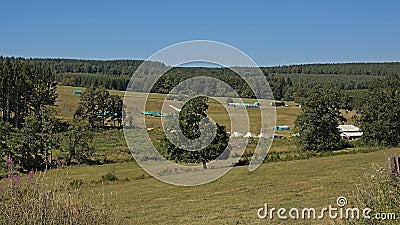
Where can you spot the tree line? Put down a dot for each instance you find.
(128, 67)
(116, 74)
(93, 80)
(285, 81)
(370, 69)
(284, 86)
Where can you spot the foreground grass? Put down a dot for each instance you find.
(140, 199)
(34, 200)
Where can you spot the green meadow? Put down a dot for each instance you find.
(137, 198)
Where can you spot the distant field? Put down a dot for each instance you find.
(67, 103)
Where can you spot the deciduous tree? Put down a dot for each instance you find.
(318, 124)
(379, 112)
(190, 119)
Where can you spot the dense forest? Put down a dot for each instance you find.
(286, 82)
(128, 67)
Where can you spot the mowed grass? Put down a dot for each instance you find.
(139, 199)
(67, 103)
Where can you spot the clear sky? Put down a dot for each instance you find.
(271, 32)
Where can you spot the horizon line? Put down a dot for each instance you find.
(273, 65)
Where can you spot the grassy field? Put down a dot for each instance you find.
(140, 199)
(67, 103)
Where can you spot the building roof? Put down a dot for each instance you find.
(352, 134)
(348, 128)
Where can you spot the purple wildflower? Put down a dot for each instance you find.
(9, 160)
(30, 175)
(17, 177)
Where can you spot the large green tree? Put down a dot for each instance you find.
(32, 145)
(193, 113)
(379, 112)
(318, 124)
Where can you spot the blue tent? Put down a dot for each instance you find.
(281, 128)
(156, 114)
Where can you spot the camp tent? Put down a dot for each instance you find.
(236, 134)
(249, 134)
(262, 135)
(282, 128)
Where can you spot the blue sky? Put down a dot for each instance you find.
(270, 32)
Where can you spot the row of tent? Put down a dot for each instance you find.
(251, 135)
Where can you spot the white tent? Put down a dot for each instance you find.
(236, 134)
(249, 134)
(262, 135)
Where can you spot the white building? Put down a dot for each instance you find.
(350, 132)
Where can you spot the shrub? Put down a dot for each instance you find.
(109, 176)
(380, 192)
(30, 200)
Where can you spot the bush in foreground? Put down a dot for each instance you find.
(379, 191)
(29, 200)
